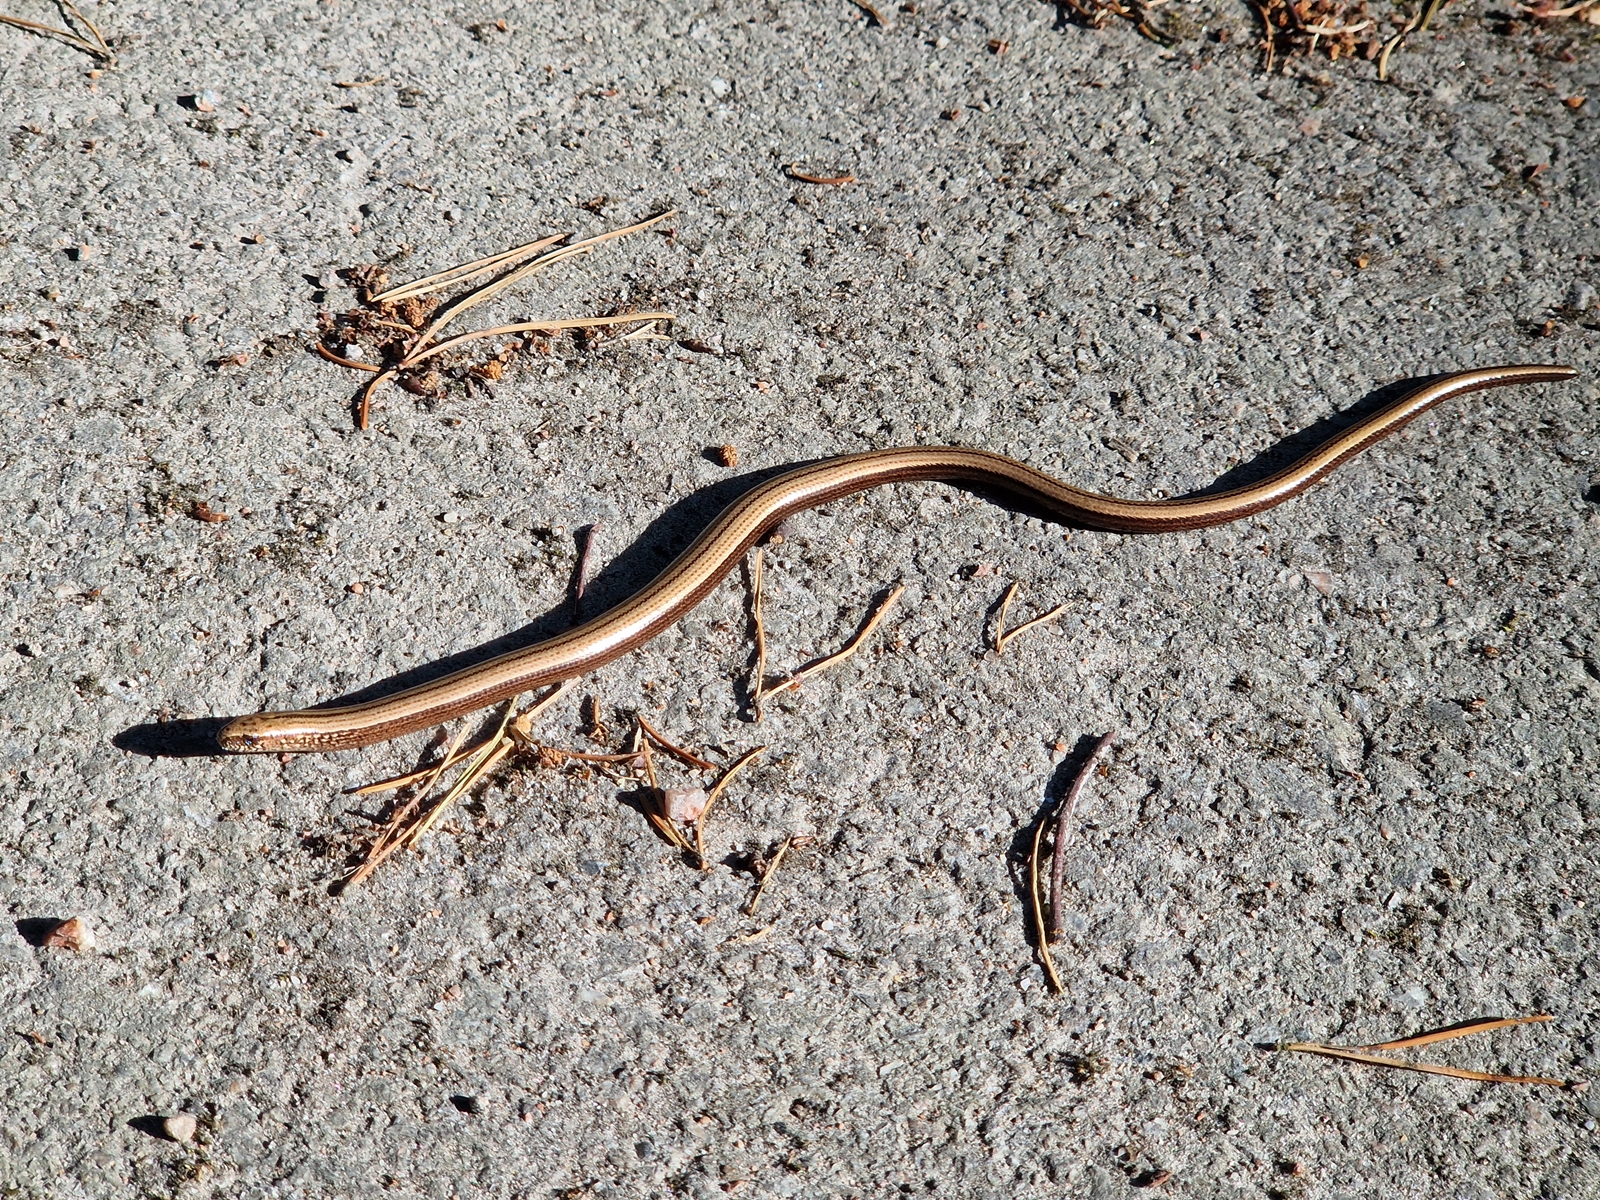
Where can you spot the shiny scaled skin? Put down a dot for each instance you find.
(713, 554)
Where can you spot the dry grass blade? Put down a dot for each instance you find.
(1036, 902)
(342, 361)
(1363, 1054)
(519, 728)
(466, 271)
(534, 327)
(496, 748)
(95, 49)
(1058, 857)
(739, 764)
(1417, 24)
(364, 410)
(489, 290)
(1002, 635)
(677, 752)
(766, 877)
(1465, 1029)
(834, 659)
(400, 781)
(1400, 1064)
(1000, 618)
(395, 831)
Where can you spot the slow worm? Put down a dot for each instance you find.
(713, 554)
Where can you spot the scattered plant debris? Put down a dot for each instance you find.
(794, 172)
(1369, 1055)
(398, 327)
(1002, 635)
(92, 42)
(760, 692)
(1050, 930)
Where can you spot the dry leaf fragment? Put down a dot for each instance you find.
(204, 512)
(72, 934)
(998, 45)
(1321, 580)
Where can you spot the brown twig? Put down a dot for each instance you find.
(677, 752)
(739, 764)
(1361, 1054)
(834, 659)
(756, 684)
(1058, 857)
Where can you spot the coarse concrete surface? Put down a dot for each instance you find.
(1353, 793)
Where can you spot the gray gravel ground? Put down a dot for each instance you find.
(1340, 816)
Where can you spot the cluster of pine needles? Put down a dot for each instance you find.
(401, 326)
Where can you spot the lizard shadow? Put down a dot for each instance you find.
(662, 540)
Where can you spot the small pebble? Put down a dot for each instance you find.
(683, 805)
(180, 1127)
(357, 588)
(73, 934)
